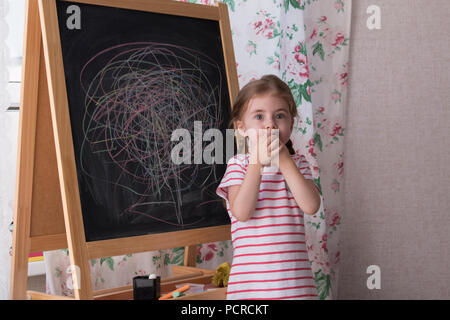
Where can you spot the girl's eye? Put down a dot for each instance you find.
(280, 116)
(258, 116)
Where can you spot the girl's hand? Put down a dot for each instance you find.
(283, 153)
(264, 147)
(280, 154)
(255, 142)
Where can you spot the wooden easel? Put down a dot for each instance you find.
(47, 205)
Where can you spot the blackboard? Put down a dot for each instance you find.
(132, 77)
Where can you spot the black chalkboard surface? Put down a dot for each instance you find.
(132, 78)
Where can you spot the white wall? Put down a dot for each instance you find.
(11, 34)
(397, 153)
(15, 20)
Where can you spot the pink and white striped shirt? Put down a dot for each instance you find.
(270, 260)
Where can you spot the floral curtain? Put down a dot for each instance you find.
(327, 36)
(304, 42)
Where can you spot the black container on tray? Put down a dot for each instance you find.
(145, 288)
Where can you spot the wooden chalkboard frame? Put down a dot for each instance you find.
(48, 212)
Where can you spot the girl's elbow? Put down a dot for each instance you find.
(316, 203)
(314, 211)
(240, 215)
(310, 213)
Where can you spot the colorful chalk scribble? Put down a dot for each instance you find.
(136, 94)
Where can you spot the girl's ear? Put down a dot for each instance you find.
(240, 128)
(293, 121)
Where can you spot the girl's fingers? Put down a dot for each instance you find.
(275, 144)
(263, 141)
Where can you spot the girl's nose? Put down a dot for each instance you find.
(271, 124)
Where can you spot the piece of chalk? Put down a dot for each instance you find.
(152, 276)
(170, 294)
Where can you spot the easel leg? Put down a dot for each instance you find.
(25, 156)
(190, 255)
(67, 173)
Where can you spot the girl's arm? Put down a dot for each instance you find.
(243, 197)
(304, 190)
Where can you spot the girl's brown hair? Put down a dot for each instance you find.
(268, 84)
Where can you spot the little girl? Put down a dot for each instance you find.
(266, 203)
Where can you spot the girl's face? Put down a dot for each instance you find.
(266, 112)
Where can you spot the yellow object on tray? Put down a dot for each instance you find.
(220, 278)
